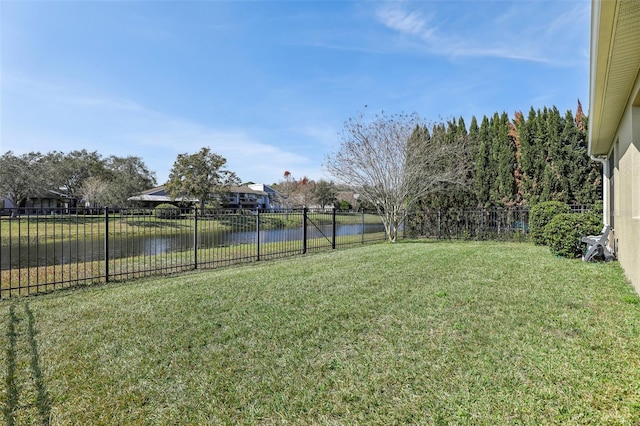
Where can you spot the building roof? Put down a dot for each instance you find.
(159, 193)
(244, 189)
(615, 63)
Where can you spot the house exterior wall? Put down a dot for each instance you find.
(614, 122)
(624, 204)
(271, 199)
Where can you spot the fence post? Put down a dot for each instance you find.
(406, 223)
(362, 226)
(484, 224)
(333, 231)
(195, 237)
(106, 244)
(304, 230)
(258, 235)
(439, 224)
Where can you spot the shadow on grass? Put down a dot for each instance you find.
(10, 380)
(43, 402)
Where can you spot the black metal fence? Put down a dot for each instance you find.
(469, 224)
(63, 248)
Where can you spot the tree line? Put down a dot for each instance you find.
(76, 175)
(519, 161)
(109, 181)
(399, 163)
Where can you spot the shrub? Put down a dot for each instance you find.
(541, 214)
(565, 230)
(167, 211)
(344, 205)
(597, 208)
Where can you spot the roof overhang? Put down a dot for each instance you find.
(615, 63)
(162, 198)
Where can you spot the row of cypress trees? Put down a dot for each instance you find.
(520, 161)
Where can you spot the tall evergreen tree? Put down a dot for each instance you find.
(485, 172)
(518, 120)
(536, 155)
(552, 157)
(581, 119)
(526, 154)
(554, 184)
(584, 176)
(540, 157)
(473, 130)
(503, 152)
(461, 127)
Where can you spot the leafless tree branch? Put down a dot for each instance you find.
(393, 161)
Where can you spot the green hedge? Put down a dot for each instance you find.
(167, 211)
(541, 214)
(565, 230)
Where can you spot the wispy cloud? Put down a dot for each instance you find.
(250, 158)
(519, 33)
(406, 22)
(60, 93)
(326, 136)
(68, 118)
(103, 102)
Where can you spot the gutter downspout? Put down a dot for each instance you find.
(606, 218)
(602, 159)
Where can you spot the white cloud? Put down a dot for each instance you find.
(103, 102)
(523, 32)
(49, 92)
(406, 22)
(67, 118)
(326, 136)
(249, 158)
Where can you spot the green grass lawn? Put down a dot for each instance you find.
(409, 333)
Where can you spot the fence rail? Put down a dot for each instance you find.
(471, 224)
(40, 252)
(63, 248)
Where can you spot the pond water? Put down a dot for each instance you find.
(65, 252)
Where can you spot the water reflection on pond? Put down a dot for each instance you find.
(64, 252)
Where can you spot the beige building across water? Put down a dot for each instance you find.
(614, 122)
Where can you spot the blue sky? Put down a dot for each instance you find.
(269, 84)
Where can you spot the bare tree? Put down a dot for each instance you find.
(286, 188)
(93, 191)
(305, 191)
(296, 192)
(392, 161)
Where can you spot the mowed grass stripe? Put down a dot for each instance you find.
(416, 332)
